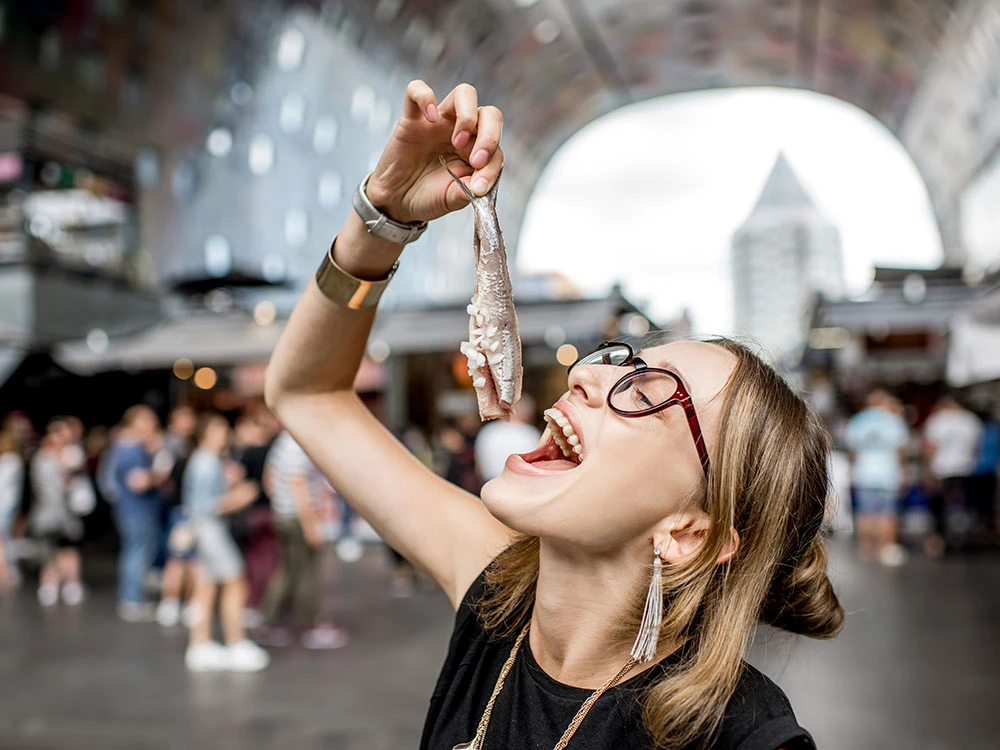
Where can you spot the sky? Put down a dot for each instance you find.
(651, 194)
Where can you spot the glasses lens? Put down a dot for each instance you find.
(644, 391)
(609, 355)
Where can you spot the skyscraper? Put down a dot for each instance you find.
(783, 254)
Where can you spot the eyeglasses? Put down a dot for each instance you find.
(646, 390)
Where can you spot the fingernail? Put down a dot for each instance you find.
(461, 139)
(432, 112)
(480, 186)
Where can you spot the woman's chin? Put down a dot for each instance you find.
(515, 502)
(507, 502)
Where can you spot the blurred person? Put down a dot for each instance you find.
(497, 441)
(213, 488)
(138, 472)
(983, 483)
(11, 489)
(877, 438)
(82, 496)
(459, 458)
(404, 575)
(177, 542)
(253, 526)
(53, 521)
(952, 436)
(296, 489)
(179, 435)
(701, 481)
(18, 423)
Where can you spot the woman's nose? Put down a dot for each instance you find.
(587, 383)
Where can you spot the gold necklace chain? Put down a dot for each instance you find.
(484, 722)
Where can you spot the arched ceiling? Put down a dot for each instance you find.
(154, 74)
(554, 65)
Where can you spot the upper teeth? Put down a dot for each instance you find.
(563, 434)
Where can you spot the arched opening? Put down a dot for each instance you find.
(651, 194)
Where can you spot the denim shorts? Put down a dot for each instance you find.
(181, 542)
(217, 552)
(875, 501)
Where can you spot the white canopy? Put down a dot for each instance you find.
(974, 356)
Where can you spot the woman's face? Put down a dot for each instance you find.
(634, 471)
(217, 435)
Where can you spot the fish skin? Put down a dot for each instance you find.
(495, 299)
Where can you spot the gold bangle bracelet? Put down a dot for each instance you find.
(346, 290)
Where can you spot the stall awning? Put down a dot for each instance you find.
(974, 354)
(234, 338)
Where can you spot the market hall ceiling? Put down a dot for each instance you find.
(552, 65)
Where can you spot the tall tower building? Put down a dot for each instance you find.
(785, 253)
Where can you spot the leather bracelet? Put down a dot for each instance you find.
(343, 289)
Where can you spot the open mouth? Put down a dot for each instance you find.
(561, 448)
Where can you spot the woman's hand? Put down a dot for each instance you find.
(408, 183)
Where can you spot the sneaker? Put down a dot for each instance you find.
(48, 595)
(73, 594)
(350, 549)
(206, 657)
(168, 613)
(136, 612)
(276, 637)
(325, 637)
(892, 556)
(247, 656)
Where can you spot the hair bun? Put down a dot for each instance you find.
(803, 601)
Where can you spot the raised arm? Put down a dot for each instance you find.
(440, 528)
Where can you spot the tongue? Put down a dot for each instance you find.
(557, 465)
(549, 456)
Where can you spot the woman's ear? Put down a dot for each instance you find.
(730, 547)
(683, 536)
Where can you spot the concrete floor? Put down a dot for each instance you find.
(917, 668)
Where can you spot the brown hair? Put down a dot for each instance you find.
(769, 481)
(205, 421)
(10, 442)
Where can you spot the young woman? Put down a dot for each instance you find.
(211, 489)
(693, 515)
(53, 520)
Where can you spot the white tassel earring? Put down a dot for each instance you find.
(644, 648)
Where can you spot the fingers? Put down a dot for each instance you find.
(483, 179)
(420, 101)
(488, 131)
(462, 103)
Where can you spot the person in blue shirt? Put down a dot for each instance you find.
(136, 475)
(877, 437)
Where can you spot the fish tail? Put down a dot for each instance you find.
(465, 188)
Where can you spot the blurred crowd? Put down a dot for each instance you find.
(220, 520)
(915, 483)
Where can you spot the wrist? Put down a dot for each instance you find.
(361, 253)
(381, 198)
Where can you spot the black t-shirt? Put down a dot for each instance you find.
(533, 710)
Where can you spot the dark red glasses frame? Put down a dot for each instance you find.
(680, 396)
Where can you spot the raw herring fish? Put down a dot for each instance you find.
(494, 346)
